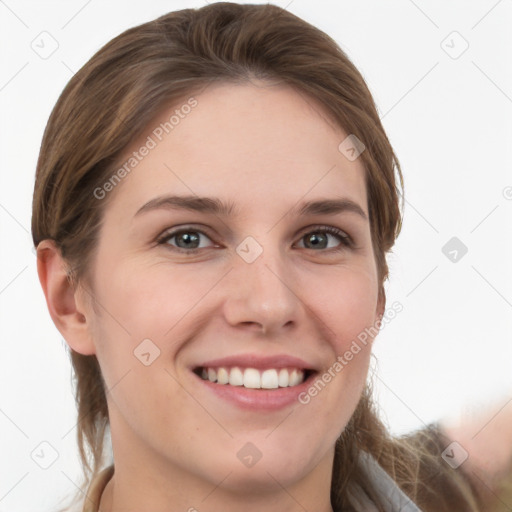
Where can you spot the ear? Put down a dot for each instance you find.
(67, 309)
(381, 304)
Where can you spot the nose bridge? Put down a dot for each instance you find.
(263, 290)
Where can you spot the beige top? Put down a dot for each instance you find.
(98, 483)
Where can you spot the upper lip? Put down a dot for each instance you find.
(257, 361)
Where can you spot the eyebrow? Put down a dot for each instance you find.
(215, 206)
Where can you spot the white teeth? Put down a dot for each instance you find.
(222, 376)
(252, 378)
(236, 377)
(269, 379)
(283, 378)
(295, 378)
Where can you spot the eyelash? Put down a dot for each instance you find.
(346, 241)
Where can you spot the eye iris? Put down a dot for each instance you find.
(190, 240)
(316, 240)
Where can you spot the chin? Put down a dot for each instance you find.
(263, 477)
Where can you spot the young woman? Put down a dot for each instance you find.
(214, 201)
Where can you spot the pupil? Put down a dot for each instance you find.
(316, 240)
(190, 240)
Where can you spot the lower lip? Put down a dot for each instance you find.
(258, 399)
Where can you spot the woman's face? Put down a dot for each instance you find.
(248, 274)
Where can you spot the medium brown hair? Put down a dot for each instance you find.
(110, 101)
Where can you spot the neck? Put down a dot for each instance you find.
(116, 499)
(144, 480)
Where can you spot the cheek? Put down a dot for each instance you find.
(149, 301)
(346, 309)
(346, 306)
(143, 310)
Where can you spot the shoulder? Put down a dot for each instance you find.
(96, 487)
(449, 475)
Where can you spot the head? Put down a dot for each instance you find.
(254, 108)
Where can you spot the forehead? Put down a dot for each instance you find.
(243, 143)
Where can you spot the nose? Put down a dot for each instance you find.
(262, 295)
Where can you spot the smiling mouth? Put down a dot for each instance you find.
(252, 378)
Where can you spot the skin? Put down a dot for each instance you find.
(264, 148)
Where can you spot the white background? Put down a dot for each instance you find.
(450, 121)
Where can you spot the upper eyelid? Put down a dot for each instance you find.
(172, 232)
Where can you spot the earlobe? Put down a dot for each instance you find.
(61, 298)
(381, 304)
